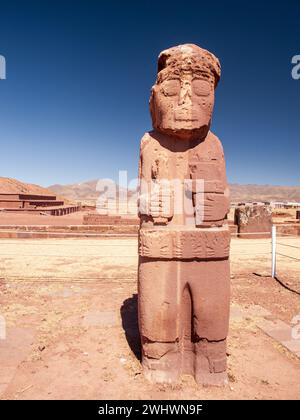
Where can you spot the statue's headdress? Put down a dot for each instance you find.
(188, 57)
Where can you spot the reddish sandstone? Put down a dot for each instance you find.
(184, 280)
(253, 221)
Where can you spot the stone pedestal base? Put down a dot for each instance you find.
(207, 364)
(183, 319)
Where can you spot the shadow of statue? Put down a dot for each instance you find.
(129, 315)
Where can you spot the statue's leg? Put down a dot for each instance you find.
(158, 319)
(210, 285)
(186, 337)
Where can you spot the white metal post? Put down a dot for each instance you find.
(273, 250)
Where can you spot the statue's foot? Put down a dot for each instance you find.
(163, 370)
(161, 361)
(212, 379)
(157, 376)
(210, 363)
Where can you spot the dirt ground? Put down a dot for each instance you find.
(70, 308)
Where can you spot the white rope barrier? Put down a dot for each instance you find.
(288, 256)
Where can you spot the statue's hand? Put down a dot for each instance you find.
(158, 203)
(211, 207)
(161, 201)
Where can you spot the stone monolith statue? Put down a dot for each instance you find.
(253, 221)
(184, 280)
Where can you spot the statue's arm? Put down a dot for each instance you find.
(213, 206)
(144, 179)
(226, 201)
(155, 198)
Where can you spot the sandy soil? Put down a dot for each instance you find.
(70, 308)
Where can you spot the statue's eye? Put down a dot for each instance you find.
(171, 87)
(201, 87)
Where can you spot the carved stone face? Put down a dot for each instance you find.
(182, 99)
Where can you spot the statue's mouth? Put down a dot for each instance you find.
(185, 115)
(185, 118)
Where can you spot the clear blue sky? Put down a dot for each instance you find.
(75, 102)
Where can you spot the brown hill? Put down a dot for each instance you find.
(86, 191)
(13, 186)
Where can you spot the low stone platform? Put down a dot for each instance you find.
(32, 203)
(101, 219)
(51, 211)
(290, 228)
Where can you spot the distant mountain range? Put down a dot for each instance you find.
(86, 191)
(254, 192)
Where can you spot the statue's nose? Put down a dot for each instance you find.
(185, 96)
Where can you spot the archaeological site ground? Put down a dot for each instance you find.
(149, 205)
